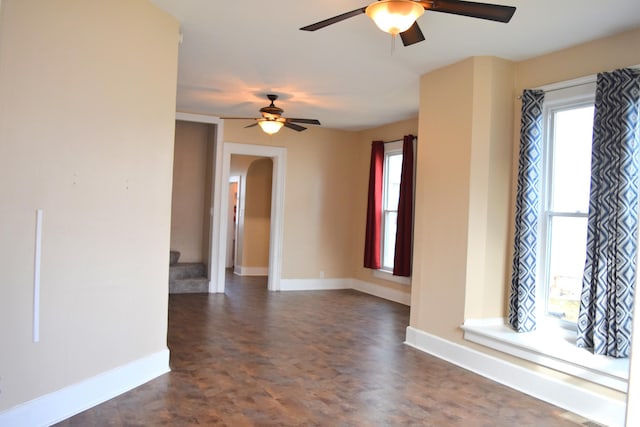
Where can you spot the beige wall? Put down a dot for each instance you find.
(318, 204)
(462, 194)
(442, 199)
(325, 196)
(466, 171)
(240, 164)
(257, 214)
(87, 100)
(489, 187)
(191, 190)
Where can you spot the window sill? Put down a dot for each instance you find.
(551, 347)
(387, 275)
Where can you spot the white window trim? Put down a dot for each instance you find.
(552, 347)
(559, 96)
(390, 148)
(388, 275)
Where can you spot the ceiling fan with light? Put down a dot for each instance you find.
(399, 16)
(272, 121)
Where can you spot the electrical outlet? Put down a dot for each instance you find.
(322, 274)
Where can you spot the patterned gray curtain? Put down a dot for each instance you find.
(606, 303)
(522, 302)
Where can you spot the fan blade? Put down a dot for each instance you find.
(308, 121)
(335, 19)
(492, 12)
(294, 126)
(251, 125)
(238, 118)
(412, 35)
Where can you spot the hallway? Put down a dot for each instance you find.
(319, 358)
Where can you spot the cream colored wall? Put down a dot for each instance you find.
(189, 208)
(318, 204)
(324, 218)
(257, 214)
(360, 183)
(464, 193)
(489, 187)
(442, 199)
(240, 164)
(604, 54)
(87, 101)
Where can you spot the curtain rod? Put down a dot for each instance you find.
(398, 140)
(582, 81)
(555, 88)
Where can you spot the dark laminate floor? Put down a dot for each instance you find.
(330, 358)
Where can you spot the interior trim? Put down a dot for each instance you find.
(589, 404)
(379, 291)
(62, 404)
(552, 347)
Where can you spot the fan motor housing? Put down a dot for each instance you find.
(272, 110)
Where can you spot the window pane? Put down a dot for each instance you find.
(566, 264)
(389, 239)
(394, 171)
(572, 159)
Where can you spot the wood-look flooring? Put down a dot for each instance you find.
(320, 358)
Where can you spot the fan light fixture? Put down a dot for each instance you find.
(270, 126)
(394, 16)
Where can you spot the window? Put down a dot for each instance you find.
(568, 126)
(390, 194)
(389, 221)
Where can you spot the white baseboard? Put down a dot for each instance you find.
(382, 291)
(314, 284)
(62, 404)
(250, 271)
(358, 285)
(594, 406)
(552, 347)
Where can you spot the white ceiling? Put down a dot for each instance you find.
(349, 75)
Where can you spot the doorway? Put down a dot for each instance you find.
(249, 215)
(220, 202)
(221, 207)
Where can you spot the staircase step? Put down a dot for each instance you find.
(174, 256)
(189, 286)
(187, 270)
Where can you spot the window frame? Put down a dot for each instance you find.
(556, 99)
(393, 148)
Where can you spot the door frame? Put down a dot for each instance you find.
(278, 156)
(220, 202)
(213, 229)
(232, 241)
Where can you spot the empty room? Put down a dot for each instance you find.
(308, 213)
